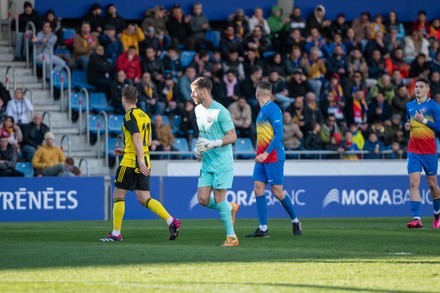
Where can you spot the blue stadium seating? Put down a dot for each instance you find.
(181, 144)
(164, 118)
(69, 33)
(113, 142)
(79, 80)
(63, 51)
(177, 119)
(214, 37)
(25, 168)
(268, 54)
(186, 57)
(57, 79)
(244, 144)
(115, 124)
(93, 124)
(98, 102)
(75, 97)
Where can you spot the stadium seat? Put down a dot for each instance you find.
(213, 36)
(98, 102)
(63, 52)
(165, 119)
(69, 36)
(93, 124)
(115, 124)
(177, 119)
(163, 54)
(79, 80)
(181, 144)
(268, 54)
(244, 144)
(26, 168)
(57, 79)
(186, 57)
(113, 142)
(75, 97)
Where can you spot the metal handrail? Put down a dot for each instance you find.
(69, 89)
(7, 76)
(86, 95)
(10, 5)
(69, 144)
(50, 119)
(31, 96)
(104, 115)
(27, 37)
(50, 67)
(85, 161)
(121, 138)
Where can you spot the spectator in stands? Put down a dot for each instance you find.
(157, 17)
(378, 128)
(415, 45)
(162, 136)
(420, 66)
(362, 27)
(298, 85)
(332, 106)
(132, 36)
(55, 23)
(377, 43)
(385, 86)
(152, 40)
(351, 42)
(249, 85)
(116, 88)
(317, 20)
(279, 90)
(356, 62)
(393, 23)
(100, 73)
(435, 64)
(95, 18)
(393, 128)
(279, 25)
(294, 62)
(312, 104)
(8, 159)
(44, 43)
(356, 109)
(392, 41)
(148, 100)
(198, 26)
(20, 107)
(315, 40)
(112, 44)
(29, 15)
(241, 114)
(230, 42)
(112, 17)
(293, 135)
(338, 64)
(232, 63)
(168, 92)
(357, 136)
(397, 62)
(329, 47)
(33, 136)
(375, 146)
(339, 26)
(230, 88)
(434, 30)
(434, 87)
(129, 63)
(153, 65)
(397, 151)
(293, 41)
(377, 26)
(313, 140)
(302, 115)
(178, 27)
(257, 41)
(328, 129)
(13, 132)
(399, 101)
(376, 65)
(257, 19)
(421, 24)
(277, 63)
(297, 21)
(334, 144)
(315, 71)
(49, 158)
(433, 49)
(83, 45)
(202, 64)
(252, 60)
(348, 145)
(379, 108)
(240, 23)
(185, 84)
(188, 125)
(171, 63)
(3, 112)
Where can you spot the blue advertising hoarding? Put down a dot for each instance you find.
(51, 199)
(313, 197)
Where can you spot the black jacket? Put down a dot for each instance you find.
(30, 135)
(99, 69)
(24, 18)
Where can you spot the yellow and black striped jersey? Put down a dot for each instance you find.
(135, 121)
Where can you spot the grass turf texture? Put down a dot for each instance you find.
(333, 255)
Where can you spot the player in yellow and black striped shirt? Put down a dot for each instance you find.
(134, 171)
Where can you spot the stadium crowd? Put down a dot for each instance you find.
(342, 86)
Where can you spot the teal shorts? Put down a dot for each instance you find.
(218, 180)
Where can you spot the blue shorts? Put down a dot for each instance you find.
(217, 180)
(272, 173)
(429, 163)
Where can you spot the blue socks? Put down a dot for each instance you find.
(262, 209)
(225, 217)
(415, 209)
(288, 206)
(436, 205)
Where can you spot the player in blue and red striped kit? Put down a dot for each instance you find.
(269, 163)
(423, 119)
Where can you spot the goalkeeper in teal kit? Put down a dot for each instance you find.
(214, 149)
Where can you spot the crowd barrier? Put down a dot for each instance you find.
(84, 198)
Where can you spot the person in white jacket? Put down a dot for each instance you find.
(258, 19)
(20, 108)
(414, 45)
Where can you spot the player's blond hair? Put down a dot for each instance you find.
(265, 88)
(130, 94)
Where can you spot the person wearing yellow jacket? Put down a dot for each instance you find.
(49, 158)
(132, 36)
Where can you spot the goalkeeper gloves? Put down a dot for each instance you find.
(204, 144)
(198, 155)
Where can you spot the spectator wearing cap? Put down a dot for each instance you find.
(112, 44)
(29, 15)
(198, 26)
(20, 107)
(379, 108)
(129, 63)
(298, 85)
(132, 36)
(8, 159)
(33, 136)
(171, 63)
(112, 17)
(148, 100)
(178, 27)
(168, 95)
(95, 18)
(49, 158)
(230, 42)
(153, 65)
(157, 17)
(100, 72)
(83, 45)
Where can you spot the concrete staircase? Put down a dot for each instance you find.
(61, 125)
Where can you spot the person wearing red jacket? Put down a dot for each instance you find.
(129, 63)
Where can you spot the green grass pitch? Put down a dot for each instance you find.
(333, 255)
